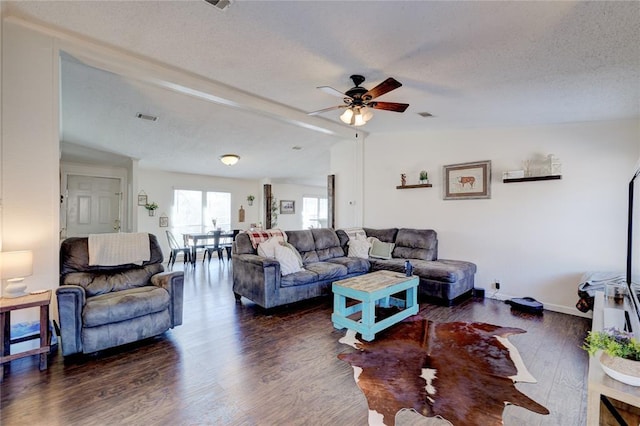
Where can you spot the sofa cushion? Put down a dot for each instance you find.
(242, 244)
(327, 270)
(443, 270)
(327, 243)
(384, 235)
(124, 305)
(301, 277)
(354, 265)
(96, 283)
(416, 244)
(303, 241)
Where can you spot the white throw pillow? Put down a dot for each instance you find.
(296, 252)
(355, 233)
(287, 259)
(359, 248)
(268, 248)
(380, 250)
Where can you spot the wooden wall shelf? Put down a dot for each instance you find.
(421, 185)
(532, 178)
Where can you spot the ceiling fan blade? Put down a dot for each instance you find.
(331, 91)
(320, 111)
(386, 86)
(389, 106)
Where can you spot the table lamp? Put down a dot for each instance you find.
(14, 266)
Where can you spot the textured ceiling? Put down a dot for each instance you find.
(470, 64)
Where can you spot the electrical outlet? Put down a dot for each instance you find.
(497, 285)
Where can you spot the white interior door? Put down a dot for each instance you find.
(93, 205)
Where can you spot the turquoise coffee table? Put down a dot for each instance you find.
(369, 290)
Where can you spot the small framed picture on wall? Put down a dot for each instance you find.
(164, 221)
(467, 181)
(142, 199)
(287, 207)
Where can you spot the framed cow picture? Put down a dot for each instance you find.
(467, 181)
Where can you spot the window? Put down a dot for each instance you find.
(194, 211)
(314, 212)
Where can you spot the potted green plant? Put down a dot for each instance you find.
(151, 207)
(250, 199)
(620, 354)
(424, 176)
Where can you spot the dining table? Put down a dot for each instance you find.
(211, 238)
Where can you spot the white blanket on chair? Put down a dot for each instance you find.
(119, 249)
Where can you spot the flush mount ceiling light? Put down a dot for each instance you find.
(229, 159)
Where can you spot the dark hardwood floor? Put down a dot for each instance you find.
(234, 364)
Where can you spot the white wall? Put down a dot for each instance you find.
(295, 193)
(346, 165)
(159, 187)
(537, 238)
(30, 151)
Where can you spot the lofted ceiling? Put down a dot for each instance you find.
(470, 64)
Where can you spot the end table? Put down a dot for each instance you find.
(7, 305)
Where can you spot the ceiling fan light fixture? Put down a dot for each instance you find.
(229, 159)
(347, 116)
(358, 118)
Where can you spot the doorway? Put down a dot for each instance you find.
(93, 205)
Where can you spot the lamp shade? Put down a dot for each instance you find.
(229, 159)
(16, 264)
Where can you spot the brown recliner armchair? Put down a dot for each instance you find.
(105, 306)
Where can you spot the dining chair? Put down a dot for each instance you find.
(177, 248)
(215, 247)
(229, 244)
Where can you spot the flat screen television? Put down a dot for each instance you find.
(633, 244)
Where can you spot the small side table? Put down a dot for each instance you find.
(41, 300)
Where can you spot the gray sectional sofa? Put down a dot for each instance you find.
(324, 256)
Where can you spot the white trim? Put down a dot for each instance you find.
(547, 306)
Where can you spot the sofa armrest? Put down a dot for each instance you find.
(71, 301)
(173, 282)
(256, 278)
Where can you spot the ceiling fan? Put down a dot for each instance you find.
(359, 101)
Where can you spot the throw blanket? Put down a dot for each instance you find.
(119, 249)
(258, 237)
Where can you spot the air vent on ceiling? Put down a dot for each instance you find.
(425, 114)
(147, 117)
(220, 4)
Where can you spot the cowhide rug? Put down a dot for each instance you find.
(463, 372)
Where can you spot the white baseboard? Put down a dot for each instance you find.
(569, 310)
